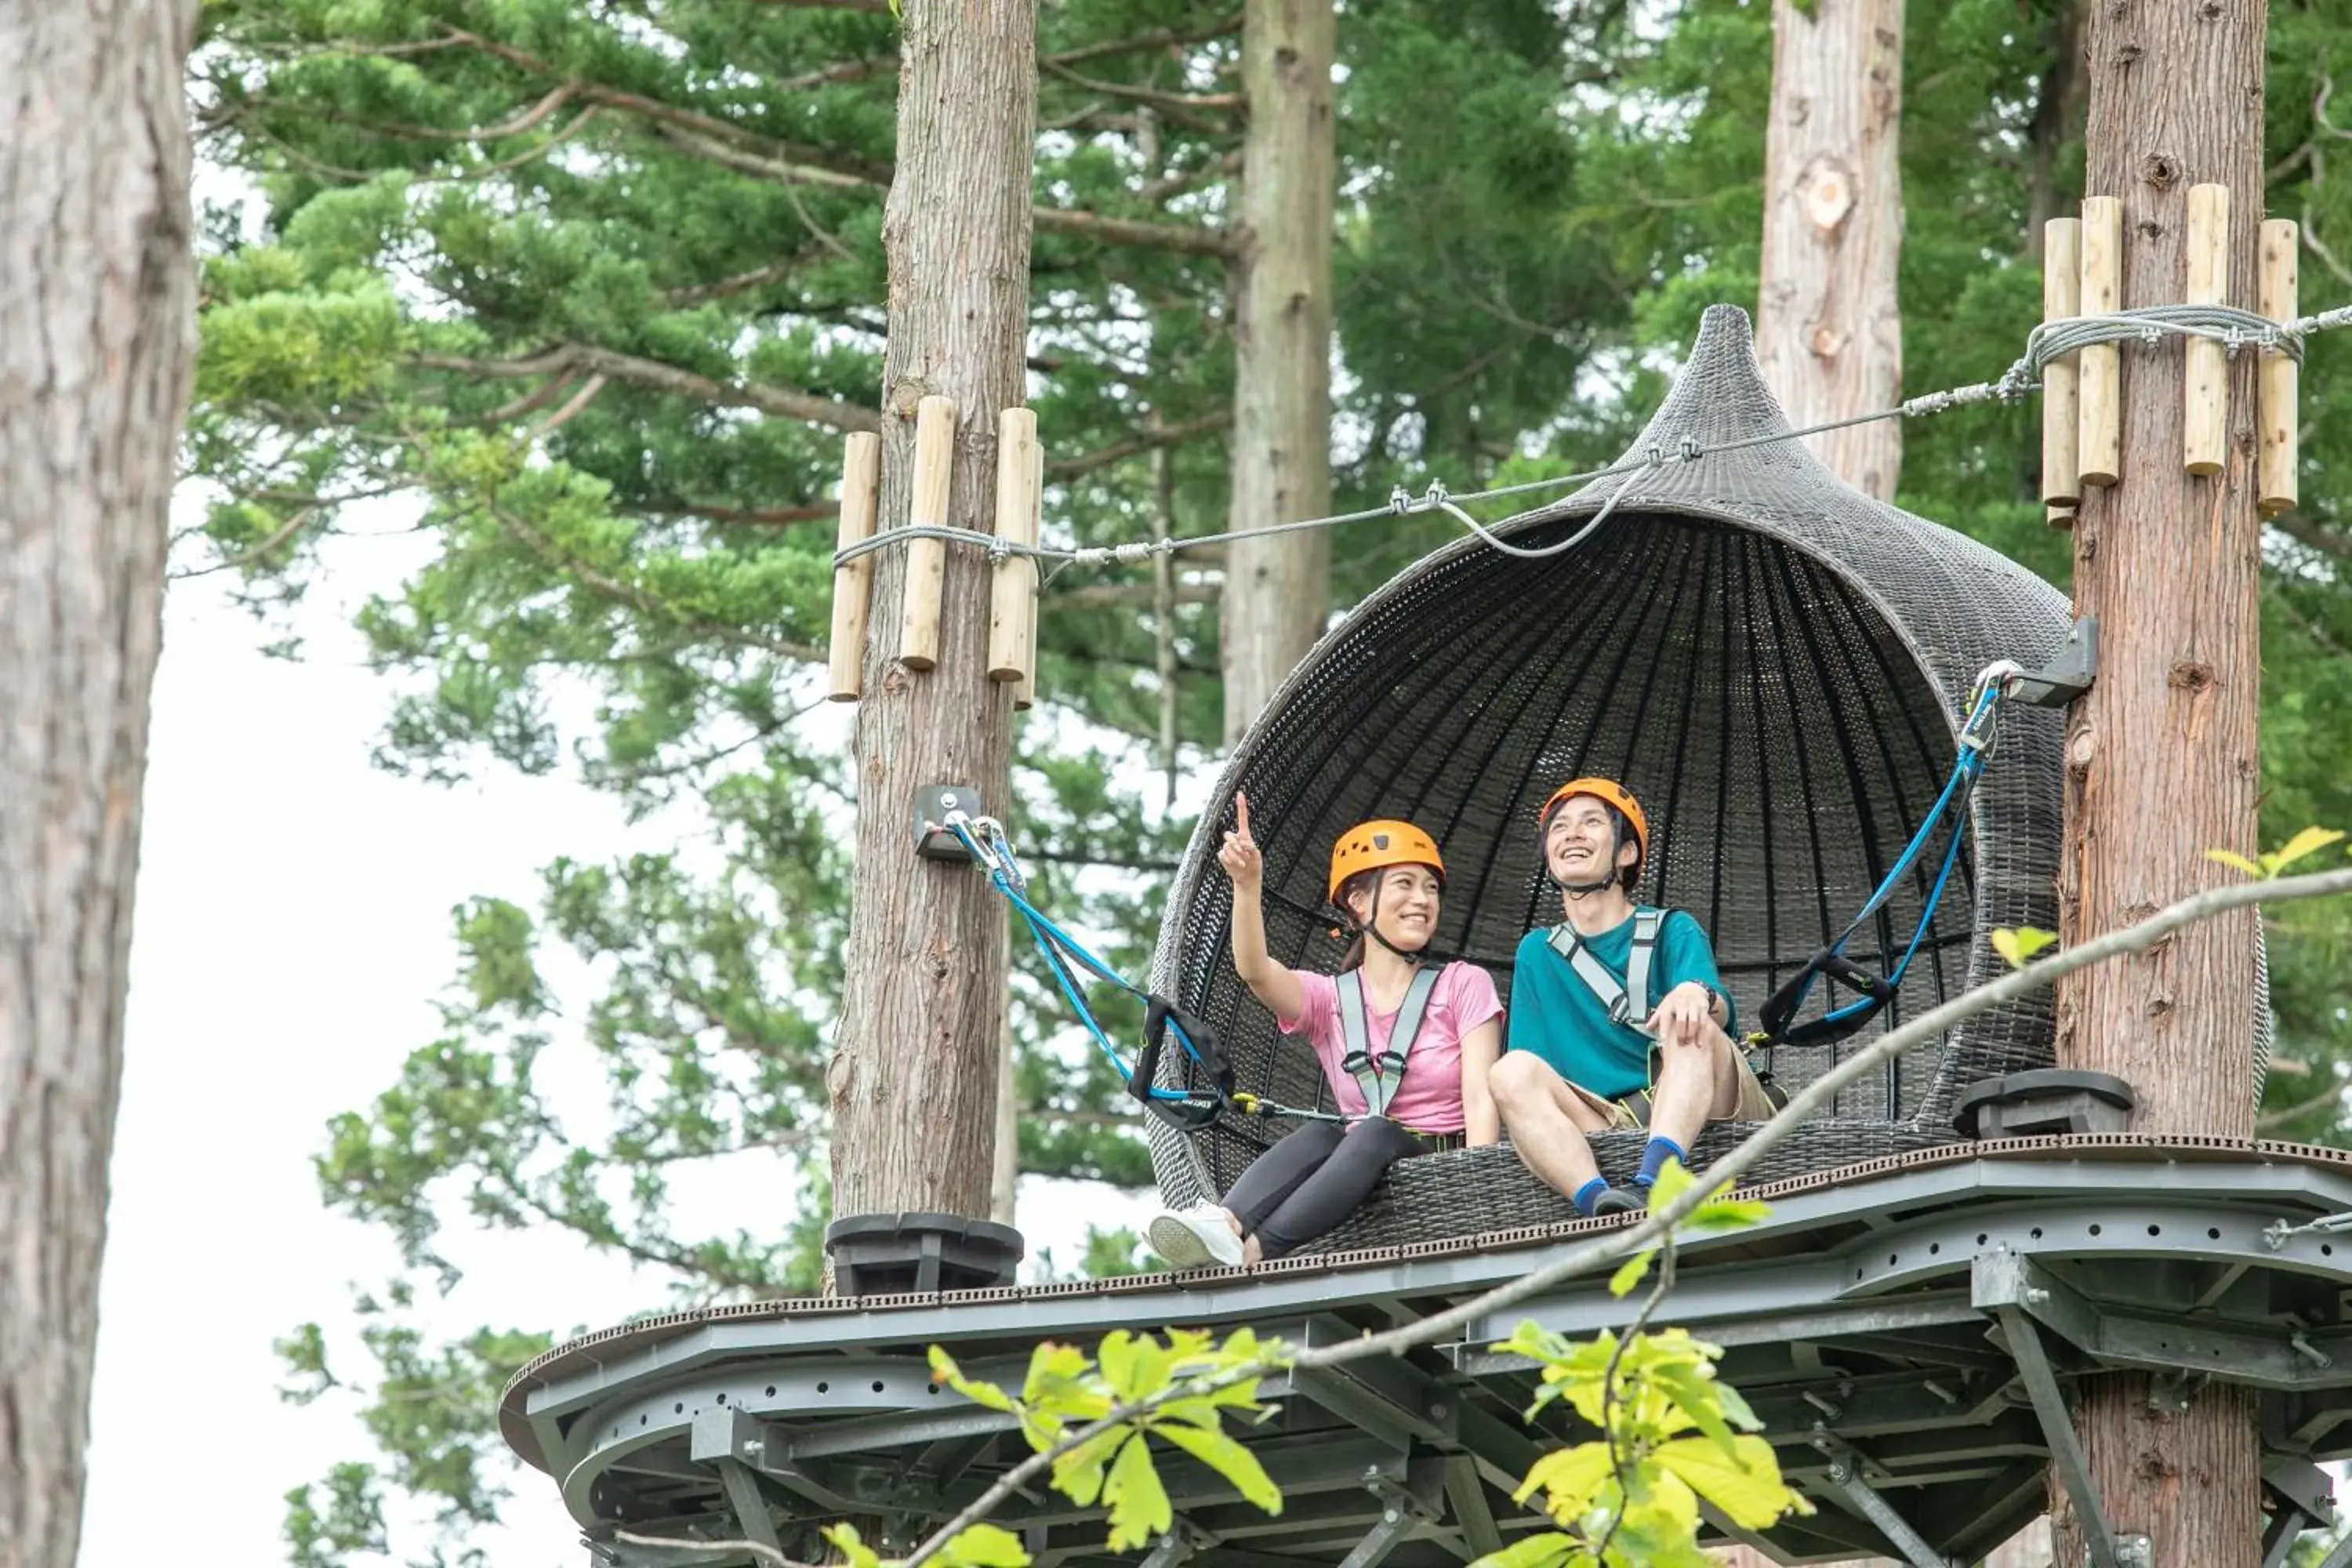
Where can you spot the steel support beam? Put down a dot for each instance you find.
(2066, 1456)
(1846, 1477)
(1404, 1510)
(1466, 1497)
(751, 1506)
(2283, 1360)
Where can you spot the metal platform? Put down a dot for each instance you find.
(1908, 1331)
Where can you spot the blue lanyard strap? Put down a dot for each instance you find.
(1876, 990)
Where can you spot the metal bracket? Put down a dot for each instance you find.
(934, 840)
(1404, 1509)
(1846, 1474)
(2066, 676)
(2169, 1392)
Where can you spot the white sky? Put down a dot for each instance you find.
(292, 928)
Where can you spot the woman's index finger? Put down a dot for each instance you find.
(1240, 814)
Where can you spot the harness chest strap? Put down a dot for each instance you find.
(1626, 1002)
(1378, 1077)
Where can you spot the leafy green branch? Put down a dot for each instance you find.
(1138, 1389)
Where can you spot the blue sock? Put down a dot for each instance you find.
(1655, 1157)
(1589, 1194)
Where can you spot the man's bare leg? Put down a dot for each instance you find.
(1699, 1082)
(1545, 1121)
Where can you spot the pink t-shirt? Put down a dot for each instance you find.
(1429, 1098)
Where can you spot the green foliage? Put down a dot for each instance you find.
(1672, 1436)
(1136, 1389)
(430, 1410)
(975, 1546)
(1716, 1212)
(2017, 946)
(2267, 868)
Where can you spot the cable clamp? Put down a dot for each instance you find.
(1436, 495)
(1689, 450)
(1401, 500)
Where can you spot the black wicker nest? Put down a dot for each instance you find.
(1773, 662)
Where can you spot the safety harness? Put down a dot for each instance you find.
(1378, 1075)
(1626, 1002)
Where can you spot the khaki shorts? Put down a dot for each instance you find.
(1755, 1105)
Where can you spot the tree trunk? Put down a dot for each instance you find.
(1278, 590)
(97, 338)
(1005, 1171)
(914, 1074)
(1829, 334)
(2161, 761)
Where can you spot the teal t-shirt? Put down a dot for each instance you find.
(1555, 1014)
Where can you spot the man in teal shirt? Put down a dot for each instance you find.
(1618, 1017)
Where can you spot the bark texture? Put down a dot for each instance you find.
(97, 338)
(2161, 761)
(914, 1074)
(1278, 590)
(1829, 332)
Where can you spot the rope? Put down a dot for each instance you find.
(2151, 325)
(985, 839)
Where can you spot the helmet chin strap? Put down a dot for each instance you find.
(1372, 928)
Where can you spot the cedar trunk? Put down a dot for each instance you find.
(2161, 761)
(1278, 590)
(914, 1074)
(97, 338)
(1829, 334)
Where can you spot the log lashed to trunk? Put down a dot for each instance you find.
(1828, 330)
(97, 341)
(2162, 764)
(914, 1075)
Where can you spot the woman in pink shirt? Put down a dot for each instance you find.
(1385, 1003)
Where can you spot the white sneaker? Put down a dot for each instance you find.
(1196, 1237)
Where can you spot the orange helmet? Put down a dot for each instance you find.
(1370, 846)
(1609, 792)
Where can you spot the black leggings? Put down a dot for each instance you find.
(1306, 1184)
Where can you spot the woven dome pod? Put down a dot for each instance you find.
(1773, 662)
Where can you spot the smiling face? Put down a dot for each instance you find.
(1577, 842)
(1408, 905)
